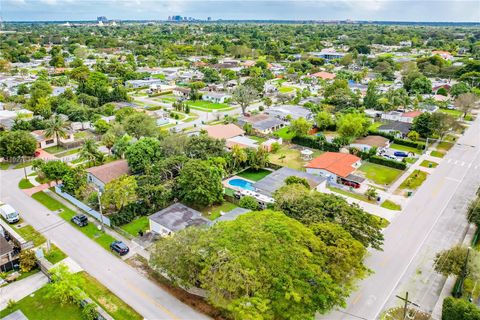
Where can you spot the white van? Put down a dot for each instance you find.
(9, 214)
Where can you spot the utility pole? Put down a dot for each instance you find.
(100, 209)
(406, 303)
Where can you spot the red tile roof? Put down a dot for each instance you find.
(412, 114)
(338, 163)
(323, 75)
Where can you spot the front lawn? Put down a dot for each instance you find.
(437, 154)
(90, 230)
(254, 175)
(112, 304)
(414, 180)
(284, 133)
(38, 307)
(30, 234)
(54, 149)
(354, 195)
(25, 184)
(213, 212)
(387, 204)
(401, 147)
(291, 158)
(380, 174)
(428, 164)
(136, 225)
(201, 104)
(55, 255)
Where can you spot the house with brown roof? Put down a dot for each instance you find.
(101, 175)
(224, 131)
(366, 143)
(323, 75)
(337, 167)
(45, 142)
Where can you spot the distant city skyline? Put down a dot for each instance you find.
(379, 10)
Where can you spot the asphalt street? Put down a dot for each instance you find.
(436, 213)
(148, 299)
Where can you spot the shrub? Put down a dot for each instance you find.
(28, 261)
(458, 309)
(129, 212)
(316, 142)
(388, 163)
(249, 202)
(89, 312)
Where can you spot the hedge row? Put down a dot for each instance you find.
(316, 142)
(388, 162)
(409, 143)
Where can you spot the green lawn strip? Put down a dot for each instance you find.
(352, 194)
(38, 306)
(55, 254)
(444, 146)
(411, 160)
(4, 165)
(254, 175)
(112, 304)
(414, 180)
(286, 89)
(437, 154)
(54, 149)
(30, 234)
(67, 153)
(134, 226)
(23, 165)
(208, 105)
(383, 222)
(25, 184)
(453, 112)
(379, 174)
(405, 148)
(387, 204)
(41, 180)
(90, 230)
(284, 134)
(428, 164)
(213, 212)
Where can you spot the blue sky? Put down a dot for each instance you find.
(398, 10)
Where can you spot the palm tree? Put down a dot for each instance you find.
(56, 127)
(90, 152)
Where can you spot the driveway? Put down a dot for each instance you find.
(148, 299)
(20, 289)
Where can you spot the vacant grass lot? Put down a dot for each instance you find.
(387, 204)
(428, 164)
(400, 147)
(207, 105)
(284, 133)
(290, 158)
(30, 234)
(136, 225)
(90, 230)
(415, 180)
(380, 174)
(213, 212)
(254, 175)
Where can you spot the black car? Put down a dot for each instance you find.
(80, 220)
(119, 247)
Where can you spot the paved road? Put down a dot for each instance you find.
(436, 211)
(151, 301)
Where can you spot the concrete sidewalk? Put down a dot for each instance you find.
(22, 288)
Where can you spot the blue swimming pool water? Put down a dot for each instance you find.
(240, 183)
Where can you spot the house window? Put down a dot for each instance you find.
(49, 141)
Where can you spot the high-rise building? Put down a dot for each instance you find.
(102, 19)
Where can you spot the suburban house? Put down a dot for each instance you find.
(401, 116)
(181, 92)
(336, 167)
(263, 123)
(397, 128)
(284, 112)
(175, 218)
(135, 84)
(101, 175)
(215, 97)
(7, 255)
(44, 142)
(444, 54)
(276, 180)
(322, 75)
(366, 143)
(328, 54)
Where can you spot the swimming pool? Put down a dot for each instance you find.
(240, 183)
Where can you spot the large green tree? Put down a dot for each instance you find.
(16, 144)
(143, 153)
(140, 125)
(119, 192)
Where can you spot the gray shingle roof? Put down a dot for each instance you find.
(178, 217)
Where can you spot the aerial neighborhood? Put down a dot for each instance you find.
(195, 170)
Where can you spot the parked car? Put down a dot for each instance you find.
(9, 213)
(400, 154)
(80, 220)
(387, 156)
(351, 184)
(119, 247)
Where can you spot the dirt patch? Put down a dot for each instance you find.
(196, 302)
(110, 307)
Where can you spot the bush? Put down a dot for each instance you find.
(249, 202)
(458, 309)
(316, 142)
(388, 163)
(129, 213)
(28, 261)
(89, 312)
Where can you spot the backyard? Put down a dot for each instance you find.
(141, 223)
(290, 158)
(414, 180)
(213, 212)
(254, 175)
(284, 133)
(379, 174)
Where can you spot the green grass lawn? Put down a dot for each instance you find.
(375, 125)
(112, 304)
(254, 175)
(55, 254)
(444, 146)
(437, 154)
(25, 184)
(286, 89)
(379, 174)
(229, 192)
(134, 226)
(291, 158)
(22, 165)
(90, 230)
(284, 134)
(387, 204)
(4, 165)
(67, 153)
(405, 148)
(38, 307)
(414, 180)
(453, 112)
(383, 222)
(428, 164)
(158, 76)
(411, 160)
(352, 194)
(213, 212)
(54, 149)
(30, 234)
(258, 139)
(202, 104)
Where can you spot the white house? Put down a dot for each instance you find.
(175, 218)
(45, 142)
(366, 143)
(215, 97)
